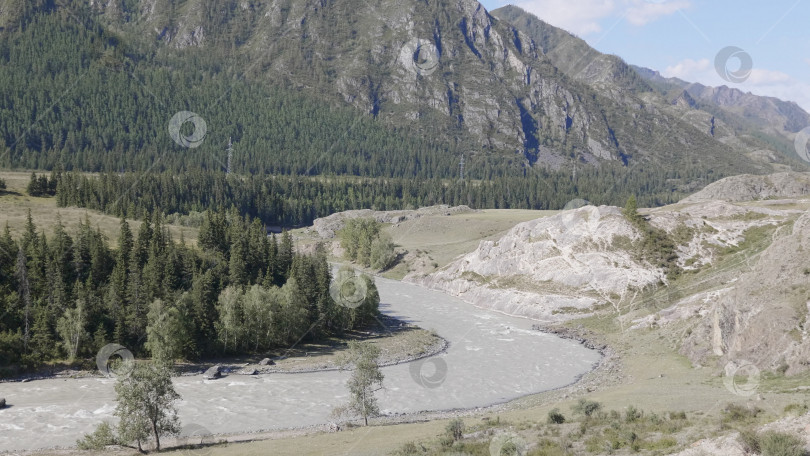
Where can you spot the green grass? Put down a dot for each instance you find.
(15, 204)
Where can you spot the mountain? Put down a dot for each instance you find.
(766, 113)
(763, 128)
(374, 89)
(574, 57)
(489, 88)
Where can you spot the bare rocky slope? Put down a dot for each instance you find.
(743, 295)
(549, 268)
(748, 187)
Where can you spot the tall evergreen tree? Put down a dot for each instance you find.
(24, 292)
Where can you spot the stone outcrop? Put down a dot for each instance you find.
(550, 268)
(748, 187)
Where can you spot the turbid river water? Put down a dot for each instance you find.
(492, 358)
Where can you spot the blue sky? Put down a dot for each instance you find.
(682, 38)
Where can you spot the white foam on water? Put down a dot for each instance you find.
(104, 409)
(11, 427)
(80, 414)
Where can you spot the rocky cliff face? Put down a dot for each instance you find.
(762, 318)
(447, 69)
(727, 115)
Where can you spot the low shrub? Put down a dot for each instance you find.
(796, 409)
(555, 417)
(738, 413)
(455, 429)
(749, 441)
(632, 414)
(586, 407)
(774, 443)
(98, 439)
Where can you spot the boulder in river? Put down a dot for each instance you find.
(2, 402)
(248, 371)
(213, 372)
(266, 362)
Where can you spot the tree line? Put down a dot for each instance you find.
(238, 291)
(298, 200)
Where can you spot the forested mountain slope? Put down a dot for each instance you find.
(387, 90)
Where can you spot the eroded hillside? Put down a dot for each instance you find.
(734, 288)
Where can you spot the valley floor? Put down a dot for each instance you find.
(642, 368)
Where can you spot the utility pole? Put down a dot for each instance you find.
(230, 156)
(461, 167)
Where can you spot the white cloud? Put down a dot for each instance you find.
(581, 17)
(584, 17)
(688, 68)
(641, 12)
(760, 82)
(768, 77)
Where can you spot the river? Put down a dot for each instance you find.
(492, 358)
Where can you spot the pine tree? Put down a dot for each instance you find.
(285, 254)
(24, 292)
(238, 261)
(631, 210)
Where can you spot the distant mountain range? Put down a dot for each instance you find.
(762, 128)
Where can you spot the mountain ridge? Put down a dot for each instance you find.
(745, 121)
